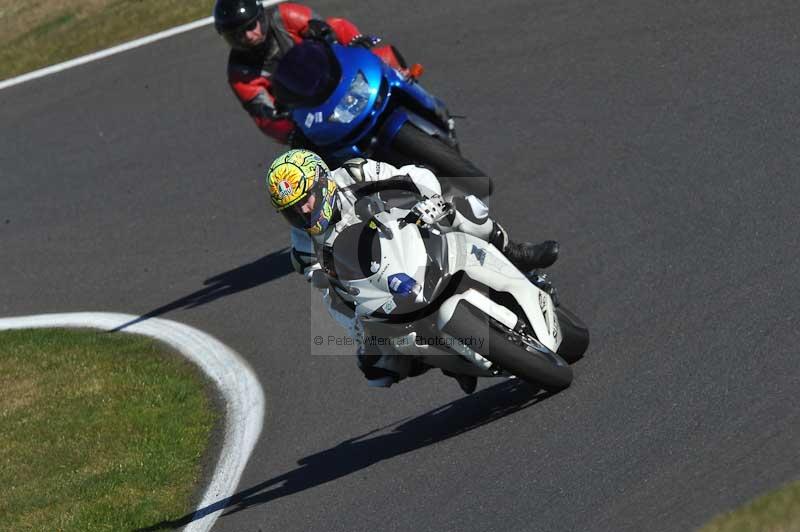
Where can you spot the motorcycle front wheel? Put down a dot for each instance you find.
(575, 335)
(508, 350)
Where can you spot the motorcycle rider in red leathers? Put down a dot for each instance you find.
(259, 37)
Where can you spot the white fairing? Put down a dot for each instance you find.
(495, 310)
(486, 264)
(498, 312)
(405, 253)
(402, 254)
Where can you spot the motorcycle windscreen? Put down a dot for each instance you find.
(306, 76)
(356, 252)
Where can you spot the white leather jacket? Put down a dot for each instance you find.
(471, 216)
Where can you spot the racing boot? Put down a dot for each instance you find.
(527, 256)
(524, 255)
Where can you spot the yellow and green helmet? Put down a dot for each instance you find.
(301, 189)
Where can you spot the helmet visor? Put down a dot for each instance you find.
(237, 37)
(306, 212)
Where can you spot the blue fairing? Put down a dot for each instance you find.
(379, 120)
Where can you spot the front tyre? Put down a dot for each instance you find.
(574, 335)
(508, 350)
(413, 146)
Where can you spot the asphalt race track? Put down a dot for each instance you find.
(657, 141)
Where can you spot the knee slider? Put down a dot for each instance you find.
(471, 208)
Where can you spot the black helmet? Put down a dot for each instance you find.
(233, 17)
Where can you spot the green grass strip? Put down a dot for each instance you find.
(778, 511)
(35, 34)
(98, 431)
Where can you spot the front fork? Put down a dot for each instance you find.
(449, 121)
(540, 280)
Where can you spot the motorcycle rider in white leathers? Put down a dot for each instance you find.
(319, 204)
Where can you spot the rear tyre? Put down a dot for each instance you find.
(575, 335)
(508, 350)
(413, 146)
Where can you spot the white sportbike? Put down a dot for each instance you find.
(451, 300)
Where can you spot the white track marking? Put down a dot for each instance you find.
(244, 398)
(114, 50)
(104, 53)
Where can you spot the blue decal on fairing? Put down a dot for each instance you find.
(401, 284)
(479, 253)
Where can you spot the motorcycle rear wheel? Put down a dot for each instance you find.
(413, 146)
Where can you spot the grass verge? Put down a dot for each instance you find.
(98, 431)
(39, 33)
(778, 511)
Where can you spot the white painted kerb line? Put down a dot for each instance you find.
(105, 53)
(114, 50)
(244, 398)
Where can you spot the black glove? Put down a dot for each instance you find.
(319, 30)
(280, 114)
(365, 41)
(263, 110)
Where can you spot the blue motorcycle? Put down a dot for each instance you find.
(346, 102)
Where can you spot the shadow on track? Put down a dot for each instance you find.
(358, 453)
(266, 269)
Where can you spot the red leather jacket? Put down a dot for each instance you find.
(249, 71)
